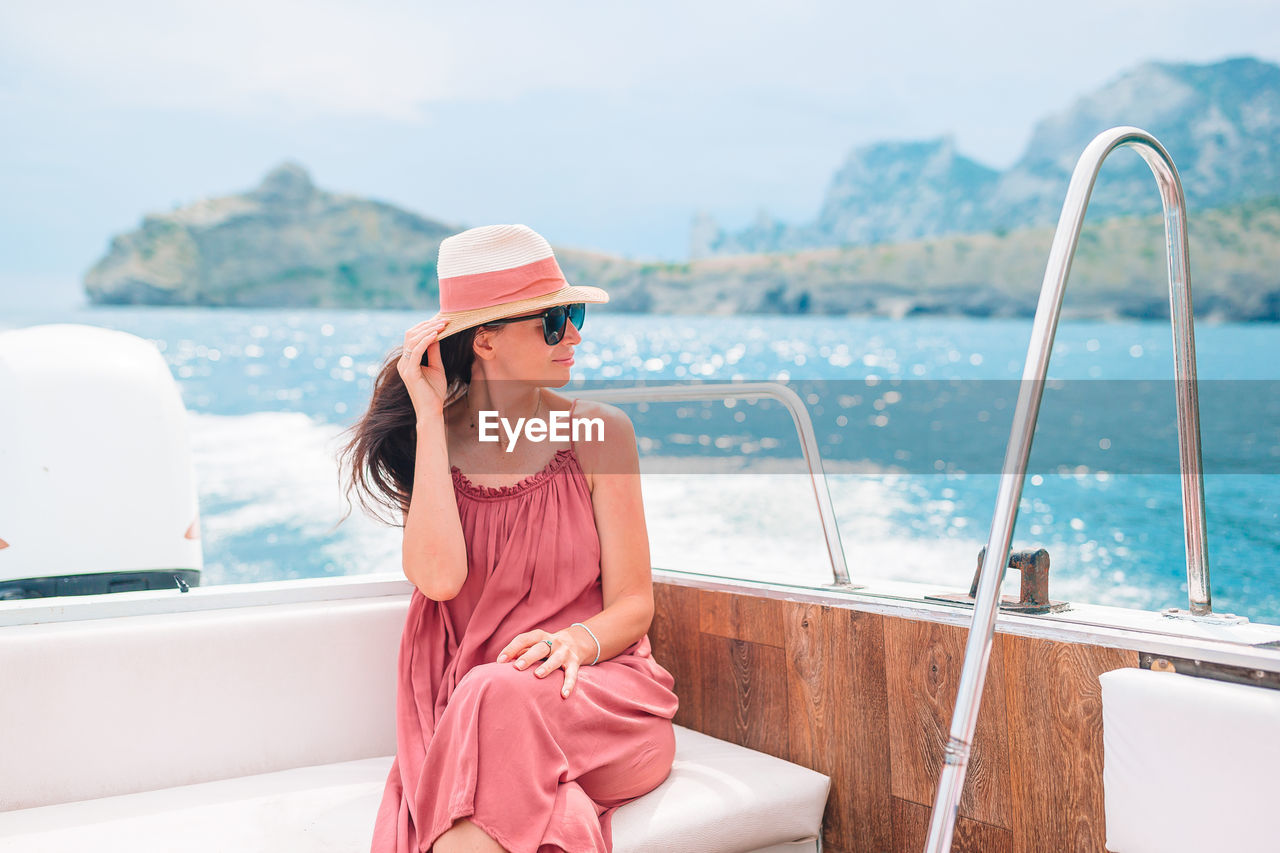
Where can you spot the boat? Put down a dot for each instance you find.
(855, 715)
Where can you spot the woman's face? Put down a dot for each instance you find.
(519, 351)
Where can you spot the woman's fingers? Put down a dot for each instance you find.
(523, 643)
(555, 659)
(422, 332)
(570, 677)
(518, 643)
(420, 327)
(415, 340)
(433, 355)
(527, 648)
(534, 653)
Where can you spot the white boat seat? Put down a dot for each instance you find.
(1189, 764)
(271, 728)
(719, 797)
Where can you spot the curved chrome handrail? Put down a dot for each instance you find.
(799, 415)
(978, 647)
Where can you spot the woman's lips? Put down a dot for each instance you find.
(566, 361)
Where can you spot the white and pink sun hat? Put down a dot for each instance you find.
(496, 271)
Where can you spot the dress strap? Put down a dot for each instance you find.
(571, 407)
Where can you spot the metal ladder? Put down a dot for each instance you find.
(978, 647)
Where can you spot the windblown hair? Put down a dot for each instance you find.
(378, 459)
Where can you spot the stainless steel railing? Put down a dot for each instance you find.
(1065, 239)
(799, 415)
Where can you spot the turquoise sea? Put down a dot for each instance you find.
(268, 391)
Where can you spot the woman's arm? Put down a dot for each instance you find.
(626, 574)
(612, 466)
(434, 553)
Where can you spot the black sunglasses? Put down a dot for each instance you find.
(553, 320)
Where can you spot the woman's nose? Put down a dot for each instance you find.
(571, 333)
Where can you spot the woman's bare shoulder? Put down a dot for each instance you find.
(605, 440)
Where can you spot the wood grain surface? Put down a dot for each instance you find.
(923, 662)
(867, 698)
(911, 831)
(839, 718)
(1054, 703)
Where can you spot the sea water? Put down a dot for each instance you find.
(911, 417)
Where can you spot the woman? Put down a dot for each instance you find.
(529, 706)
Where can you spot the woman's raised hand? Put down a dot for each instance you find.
(427, 384)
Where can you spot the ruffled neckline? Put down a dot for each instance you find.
(462, 484)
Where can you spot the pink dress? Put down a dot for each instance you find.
(540, 772)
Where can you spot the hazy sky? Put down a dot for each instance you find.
(602, 125)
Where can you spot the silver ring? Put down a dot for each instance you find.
(549, 646)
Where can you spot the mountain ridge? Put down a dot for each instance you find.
(287, 242)
(1219, 121)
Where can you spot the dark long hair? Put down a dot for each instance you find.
(377, 461)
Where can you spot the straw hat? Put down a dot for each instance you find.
(497, 271)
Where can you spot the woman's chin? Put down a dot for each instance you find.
(556, 377)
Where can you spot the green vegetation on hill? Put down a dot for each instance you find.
(1119, 271)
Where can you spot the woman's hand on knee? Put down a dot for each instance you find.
(564, 651)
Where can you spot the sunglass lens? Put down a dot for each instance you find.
(553, 320)
(553, 324)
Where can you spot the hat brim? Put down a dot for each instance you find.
(459, 321)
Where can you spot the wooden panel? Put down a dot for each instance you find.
(1054, 704)
(674, 637)
(744, 694)
(816, 685)
(839, 719)
(922, 665)
(743, 617)
(911, 831)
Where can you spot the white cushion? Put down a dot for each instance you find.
(1190, 764)
(723, 797)
(719, 797)
(329, 807)
(102, 707)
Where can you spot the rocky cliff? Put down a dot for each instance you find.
(288, 243)
(1220, 123)
(285, 242)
